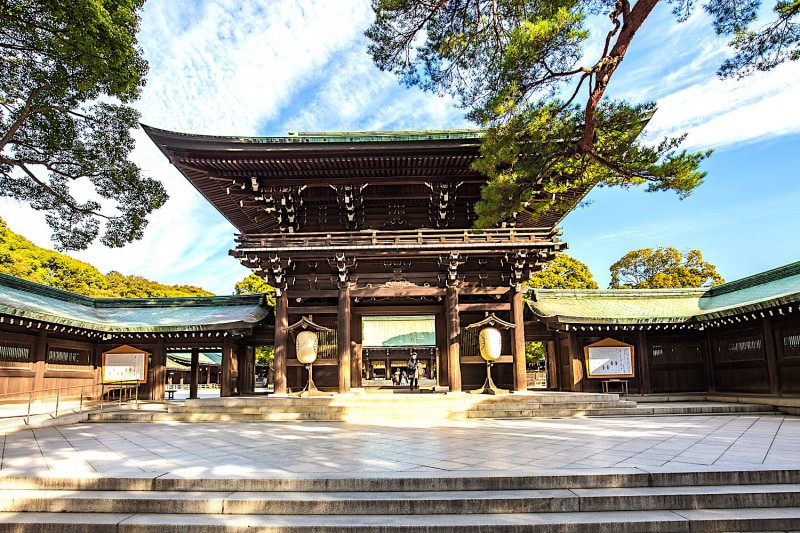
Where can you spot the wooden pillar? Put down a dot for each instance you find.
(709, 349)
(355, 350)
(281, 340)
(246, 367)
(644, 363)
(40, 357)
(453, 339)
(226, 363)
(772, 358)
(576, 363)
(518, 341)
(343, 337)
(159, 371)
(194, 375)
(442, 350)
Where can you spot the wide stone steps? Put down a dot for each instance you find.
(583, 502)
(401, 503)
(377, 407)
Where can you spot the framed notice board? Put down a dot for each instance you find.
(609, 358)
(125, 364)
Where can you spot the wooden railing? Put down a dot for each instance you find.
(430, 237)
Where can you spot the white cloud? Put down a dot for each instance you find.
(265, 67)
(720, 113)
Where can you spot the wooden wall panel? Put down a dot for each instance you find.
(739, 360)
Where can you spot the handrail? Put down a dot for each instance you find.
(39, 396)
(414, 237)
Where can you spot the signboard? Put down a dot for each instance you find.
(125, 364)
(609, 358)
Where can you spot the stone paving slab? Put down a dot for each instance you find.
(482, 447)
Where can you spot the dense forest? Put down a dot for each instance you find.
(20, 257)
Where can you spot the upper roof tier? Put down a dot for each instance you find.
(340, 181)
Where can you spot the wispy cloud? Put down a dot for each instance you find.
(270, 66)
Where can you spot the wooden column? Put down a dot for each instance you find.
(453, 339)
(343, 337)
(709, 358)
(40, 357)
(246, 368)
(281, 340)
(159, 371)
(355, 351)
(442, 351)
(576, 363)
(226, 363)
(518, 341)
(772, 358)
(194, 374)
(644, 363)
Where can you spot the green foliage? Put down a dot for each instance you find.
(534, 352)
(761, 49)
(531, 163)
(663, 268)
(21, 258)
(265, 355)
(67, 70)
(563, 272)
(254, 284)
(506, 61)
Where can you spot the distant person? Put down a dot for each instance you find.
(396, 377)
(413, 370)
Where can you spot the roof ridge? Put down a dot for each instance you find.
(328, 137)
(761, 278)
(41, 289)
(622, 293)
(49, 291)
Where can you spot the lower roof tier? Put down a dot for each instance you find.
(750, 298)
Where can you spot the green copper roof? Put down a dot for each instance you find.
(205, 358)
(25, 299)
(332, 137)
(768, 289)
(369, 136)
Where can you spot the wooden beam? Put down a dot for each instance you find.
(481, 306)
(313, 310)
(396, 292)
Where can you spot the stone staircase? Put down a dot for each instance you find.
(377, 407)
(618, 502)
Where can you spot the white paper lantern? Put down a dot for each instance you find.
(306, 346)
(491, 343)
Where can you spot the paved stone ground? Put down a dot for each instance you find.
(457, 447)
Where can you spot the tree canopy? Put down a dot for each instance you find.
(254, 284)
(21, 258)
(519, 66)
(68, 69)
(663, 268)
(563, 272)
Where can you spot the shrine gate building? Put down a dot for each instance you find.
(357, 225)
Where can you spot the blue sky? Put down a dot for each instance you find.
(272, 66)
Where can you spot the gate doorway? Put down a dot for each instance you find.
(389, 341)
